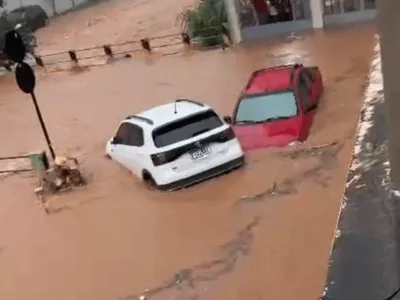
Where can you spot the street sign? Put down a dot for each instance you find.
(14, 46)
(26, 79)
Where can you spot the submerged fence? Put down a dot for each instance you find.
(23, 163)
(207, 38)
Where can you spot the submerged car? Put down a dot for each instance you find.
(277, 106)
(29, 17)
(176, 145)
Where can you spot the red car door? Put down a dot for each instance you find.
(304, 91)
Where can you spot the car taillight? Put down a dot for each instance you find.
(227, 135)
(163, 158)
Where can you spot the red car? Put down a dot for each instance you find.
(277, 106)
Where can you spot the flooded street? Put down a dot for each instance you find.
(262, 232)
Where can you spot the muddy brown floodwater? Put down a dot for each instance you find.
(262, 232)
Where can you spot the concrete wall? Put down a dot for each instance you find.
(60, 5)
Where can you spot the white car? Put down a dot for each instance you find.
(176, 145)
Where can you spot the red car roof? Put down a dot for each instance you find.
(270, 80)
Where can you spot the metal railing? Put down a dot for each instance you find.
(127, 48)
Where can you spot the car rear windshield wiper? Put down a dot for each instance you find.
(276, 119)
(200, 132)
(248, 122)
(262, 121)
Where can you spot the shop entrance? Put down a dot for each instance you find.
(348, 11)
(263, 18)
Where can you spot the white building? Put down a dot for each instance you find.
(254, 19)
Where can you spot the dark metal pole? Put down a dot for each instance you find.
(46, 135)
(389, 31)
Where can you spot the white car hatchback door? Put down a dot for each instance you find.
(193, 138)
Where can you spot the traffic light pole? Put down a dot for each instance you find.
(46, 135)
(389, 31)
(15, 49)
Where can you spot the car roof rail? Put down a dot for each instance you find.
(190, 101)
(136, 117)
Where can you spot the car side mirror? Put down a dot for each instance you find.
(227, 119)
(311, 108)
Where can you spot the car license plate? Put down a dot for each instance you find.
(199, 153)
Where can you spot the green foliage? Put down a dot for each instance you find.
(204, 21)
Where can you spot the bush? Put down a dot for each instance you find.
(204, 21)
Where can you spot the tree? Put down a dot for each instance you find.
(205, 21)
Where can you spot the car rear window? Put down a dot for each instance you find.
(186, 128)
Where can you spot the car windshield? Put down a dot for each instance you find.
(186, 128)
(16, 16)
(264, 108)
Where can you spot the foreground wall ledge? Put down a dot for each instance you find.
(364, 258)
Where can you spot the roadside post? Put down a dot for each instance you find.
(145, 44)
(15, 49)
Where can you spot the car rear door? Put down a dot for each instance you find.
(132, 150)
(117, 148)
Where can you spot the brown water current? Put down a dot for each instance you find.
(262, 232)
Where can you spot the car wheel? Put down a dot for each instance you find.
(149, 181)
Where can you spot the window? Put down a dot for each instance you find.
(332, 7)
(369, 4)
(122, 133)
(16, 16)
(135, 136)
(130, 135)
(260, 108)
(305, 80)
(261, 12)
(305, 84)
(301, 9)
(186, 128)
(340, 6)
(351, 5)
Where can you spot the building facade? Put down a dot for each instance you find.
(254, 19)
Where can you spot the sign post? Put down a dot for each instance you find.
(26, 80)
